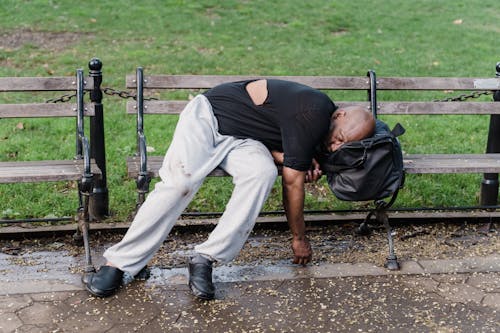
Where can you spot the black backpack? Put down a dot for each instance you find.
(369, 169)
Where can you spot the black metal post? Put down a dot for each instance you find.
(99, 200)
(372, 93)
(489, 185)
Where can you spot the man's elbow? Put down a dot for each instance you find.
(293, 179)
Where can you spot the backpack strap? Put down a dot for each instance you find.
(398, 130)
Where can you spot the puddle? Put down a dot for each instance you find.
(43, 265)
(62, 267)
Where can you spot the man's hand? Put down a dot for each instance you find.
(278, 156)
(315, 173)
(302, 252)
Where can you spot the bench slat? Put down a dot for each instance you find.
(41, 83)
(437, 83)
(158, 107)
(322, 82)
(420, 108)
(401, 108)
(209, 81)
(450, 163)
(414, 164)
(154, 164)
(43, 171)
(176, 107)
(36, 110)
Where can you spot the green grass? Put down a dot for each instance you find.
(395, 38)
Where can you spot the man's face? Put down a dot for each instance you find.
(336, 139)
(344, 130)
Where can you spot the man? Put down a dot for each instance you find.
(245, 128)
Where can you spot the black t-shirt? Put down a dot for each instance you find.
(293, 119)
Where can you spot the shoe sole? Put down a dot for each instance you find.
(100, 293)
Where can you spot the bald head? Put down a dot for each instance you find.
(349, 124)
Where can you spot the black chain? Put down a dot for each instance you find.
(464, 97)
(124, 94)
(107, 91)
(62, 99)
(129, 95)
(119, 93)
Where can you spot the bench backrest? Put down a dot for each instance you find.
(76, 109)
(387, 95)
(41, 84)
(196, 82)
(446, 84)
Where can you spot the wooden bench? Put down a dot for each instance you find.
(81, 168)
(143, 167)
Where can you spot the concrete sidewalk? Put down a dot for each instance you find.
(425, 296)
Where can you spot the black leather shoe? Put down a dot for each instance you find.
(200, 278)
(105, 282)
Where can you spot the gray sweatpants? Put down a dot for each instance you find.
(196, 149)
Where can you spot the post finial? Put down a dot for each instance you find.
(95, 64)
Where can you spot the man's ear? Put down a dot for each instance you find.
(339, 113)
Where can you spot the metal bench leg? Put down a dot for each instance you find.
(391, 261)
(142, 182)
(83, 224)
(77, 236)
(364, 228)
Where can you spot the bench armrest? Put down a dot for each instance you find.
(142, 152)
(141, 138)
(86, 156)
(82, 143)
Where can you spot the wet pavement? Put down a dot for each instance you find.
(40, 291)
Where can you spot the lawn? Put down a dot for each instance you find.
(315, 37)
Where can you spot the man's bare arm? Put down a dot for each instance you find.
(293, 202)
(312, 175)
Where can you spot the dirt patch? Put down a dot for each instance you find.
(335, 243)
(16, 39)
(338, 243)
